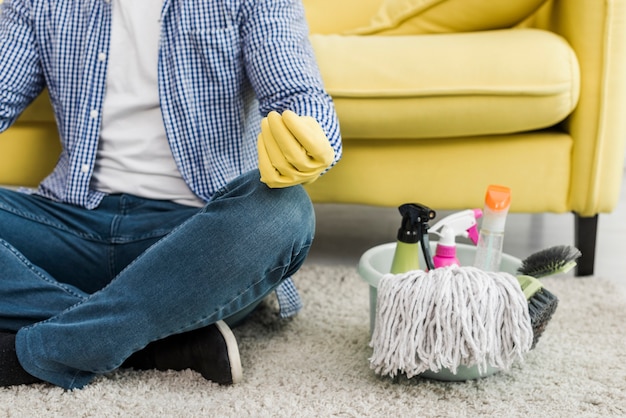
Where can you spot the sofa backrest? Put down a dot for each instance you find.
(335, 16)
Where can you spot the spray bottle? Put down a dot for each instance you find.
(458, 224)
(491, 237)
(412, 232)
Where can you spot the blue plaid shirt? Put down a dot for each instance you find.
(222, 66)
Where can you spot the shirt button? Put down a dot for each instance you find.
(84, 168)
(93, 114)
(102, 56)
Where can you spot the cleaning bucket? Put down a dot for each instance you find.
(376, 262)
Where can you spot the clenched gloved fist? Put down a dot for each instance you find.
(292, 149)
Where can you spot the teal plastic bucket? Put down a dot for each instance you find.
(376, 262)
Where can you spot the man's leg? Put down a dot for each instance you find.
(223, 259)
(53, 255)
(29, 294)
(32, 295)
(87, 248)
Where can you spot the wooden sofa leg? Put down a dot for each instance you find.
(585, 232)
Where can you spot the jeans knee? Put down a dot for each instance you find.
(286, 209)
(296, 210)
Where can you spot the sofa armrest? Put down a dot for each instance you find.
(596, 30)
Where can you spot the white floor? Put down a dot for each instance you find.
(344, 232)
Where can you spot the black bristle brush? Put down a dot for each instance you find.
(553, 260)
(542, 303)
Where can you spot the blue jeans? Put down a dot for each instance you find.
(84, 289)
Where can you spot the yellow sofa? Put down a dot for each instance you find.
(435, 117)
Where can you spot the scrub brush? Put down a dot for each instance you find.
(553, 260)
(542, 303)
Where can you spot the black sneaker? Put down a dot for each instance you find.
(211, 351)
(216, 355)
(11, 371)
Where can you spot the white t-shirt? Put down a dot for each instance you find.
(134, 155)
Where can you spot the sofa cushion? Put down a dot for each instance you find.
(448, 85)
(40, 110)
(400, 17)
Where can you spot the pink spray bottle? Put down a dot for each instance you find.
(462, 223)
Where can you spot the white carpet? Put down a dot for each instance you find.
(317, 366)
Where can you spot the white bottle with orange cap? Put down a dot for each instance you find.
(491, 237)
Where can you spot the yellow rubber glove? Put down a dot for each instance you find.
(292, 149)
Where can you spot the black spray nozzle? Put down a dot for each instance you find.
(414, 228)
(415, 218)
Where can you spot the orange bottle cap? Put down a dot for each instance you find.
(498, 197)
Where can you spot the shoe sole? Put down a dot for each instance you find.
(233, 351)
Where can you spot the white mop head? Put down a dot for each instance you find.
(448, 317)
